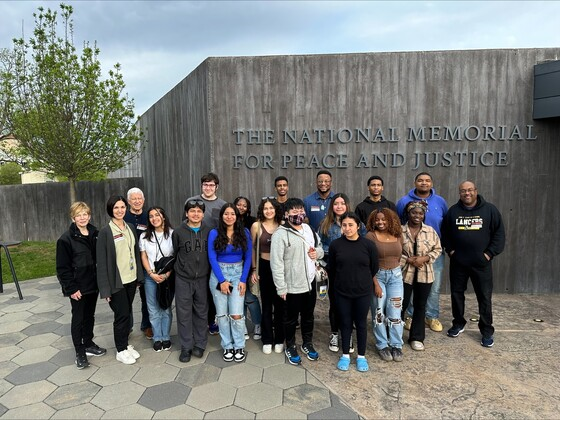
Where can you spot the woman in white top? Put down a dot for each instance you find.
(156, 243)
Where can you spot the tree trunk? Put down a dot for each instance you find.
(72, 190)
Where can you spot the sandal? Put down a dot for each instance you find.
(361, 364)
(344, 363)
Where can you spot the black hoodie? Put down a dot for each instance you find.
(472, 232)
(191, 251)
(367, 206)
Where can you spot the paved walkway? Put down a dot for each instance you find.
(454, 378)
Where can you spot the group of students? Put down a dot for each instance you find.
(226, 260)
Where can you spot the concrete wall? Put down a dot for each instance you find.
(466, 114)
(39, 212)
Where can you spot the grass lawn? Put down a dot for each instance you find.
(32, 259)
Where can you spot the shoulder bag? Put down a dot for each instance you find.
(166, 289)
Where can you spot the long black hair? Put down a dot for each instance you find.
(150, 229)
(239, 239)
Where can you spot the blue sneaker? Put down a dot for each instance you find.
(310, 352)
(292, 355)
(455, 331)
(487, 342)
(213, 329)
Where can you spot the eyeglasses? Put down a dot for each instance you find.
(209, 185)
(464, 191)
(269, 197)
(324, 182)
(195, 202)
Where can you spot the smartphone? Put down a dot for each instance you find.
(218, 287)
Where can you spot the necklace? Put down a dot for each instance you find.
(127, 234)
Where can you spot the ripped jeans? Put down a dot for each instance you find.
(386, 311)
(227, 305)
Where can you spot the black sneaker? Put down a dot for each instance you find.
(166, 345)
(158, 346)
(455, 331)
(81, 360)
(292, 355)
(386, 354)
(397, 355)
(228, 355)
(310, 352)
(239, 356)
(185, 356)
(95, 351)
(198, 352)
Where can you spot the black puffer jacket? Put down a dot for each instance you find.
(75, 261)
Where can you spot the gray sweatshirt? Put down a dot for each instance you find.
(293, 271)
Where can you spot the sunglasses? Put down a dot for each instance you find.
(195, 202)
(269, 197)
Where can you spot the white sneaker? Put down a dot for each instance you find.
(334, 342)
(133, 352)
(279, 348)
(125, 357)
(257, 332)
(267, 349)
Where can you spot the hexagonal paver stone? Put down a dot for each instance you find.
(156, 374)
(48, 316)
(211, 397)
(114, 373)
(6, 367)
(11, 327)
(64, 357)
(37, 411)
(31, 373)
(215, 358)
(164, 396)
(281, 413)
(230, 413)
(3, 409)
(263, 360)
(9, 352)
(35, 355)
(70, 374)
(129, 412)
(258, 397)
(179, 412)
(4, 386)
(241, 375)
(86, 411)
(27, 394)
(72, 395)
(14, 317)
(284, 376)
(307, 398)
(38, 341)
(117, 395)
(39, 328)
(198, 375)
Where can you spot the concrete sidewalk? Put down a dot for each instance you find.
(454, 378)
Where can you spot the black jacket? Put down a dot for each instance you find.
(75, 261)
(472, 232)
(191, 252)
(367, 206)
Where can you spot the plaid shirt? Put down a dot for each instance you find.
(428, 244)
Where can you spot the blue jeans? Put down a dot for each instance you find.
(160, 319)
(386, 311)
(252, 303)
(227, 305)
(433, 303)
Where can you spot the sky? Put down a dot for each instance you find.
(158, 43)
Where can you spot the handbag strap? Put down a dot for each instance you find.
(159, 247)
(258, 241)
(301, 237)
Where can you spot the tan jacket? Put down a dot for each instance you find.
(428, 244)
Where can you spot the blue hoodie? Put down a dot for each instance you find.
(437, 208)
